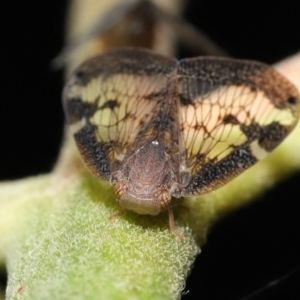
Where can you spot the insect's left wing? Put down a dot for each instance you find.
(233, 113)
(109, 99)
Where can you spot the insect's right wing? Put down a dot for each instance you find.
(109, 99)
(233, 113)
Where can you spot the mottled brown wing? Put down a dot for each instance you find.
(233, 113)
(109, 98)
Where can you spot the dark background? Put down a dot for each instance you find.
(252, 247)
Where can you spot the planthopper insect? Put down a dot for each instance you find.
(159, 128)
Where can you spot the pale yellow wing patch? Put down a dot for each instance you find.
(211, 126)
(123, 105)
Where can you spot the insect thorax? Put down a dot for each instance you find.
(146, 181)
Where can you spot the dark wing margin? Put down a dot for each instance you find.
(107, 101)
(233, 113)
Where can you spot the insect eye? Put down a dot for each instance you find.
(115, 177)
(176, 190)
